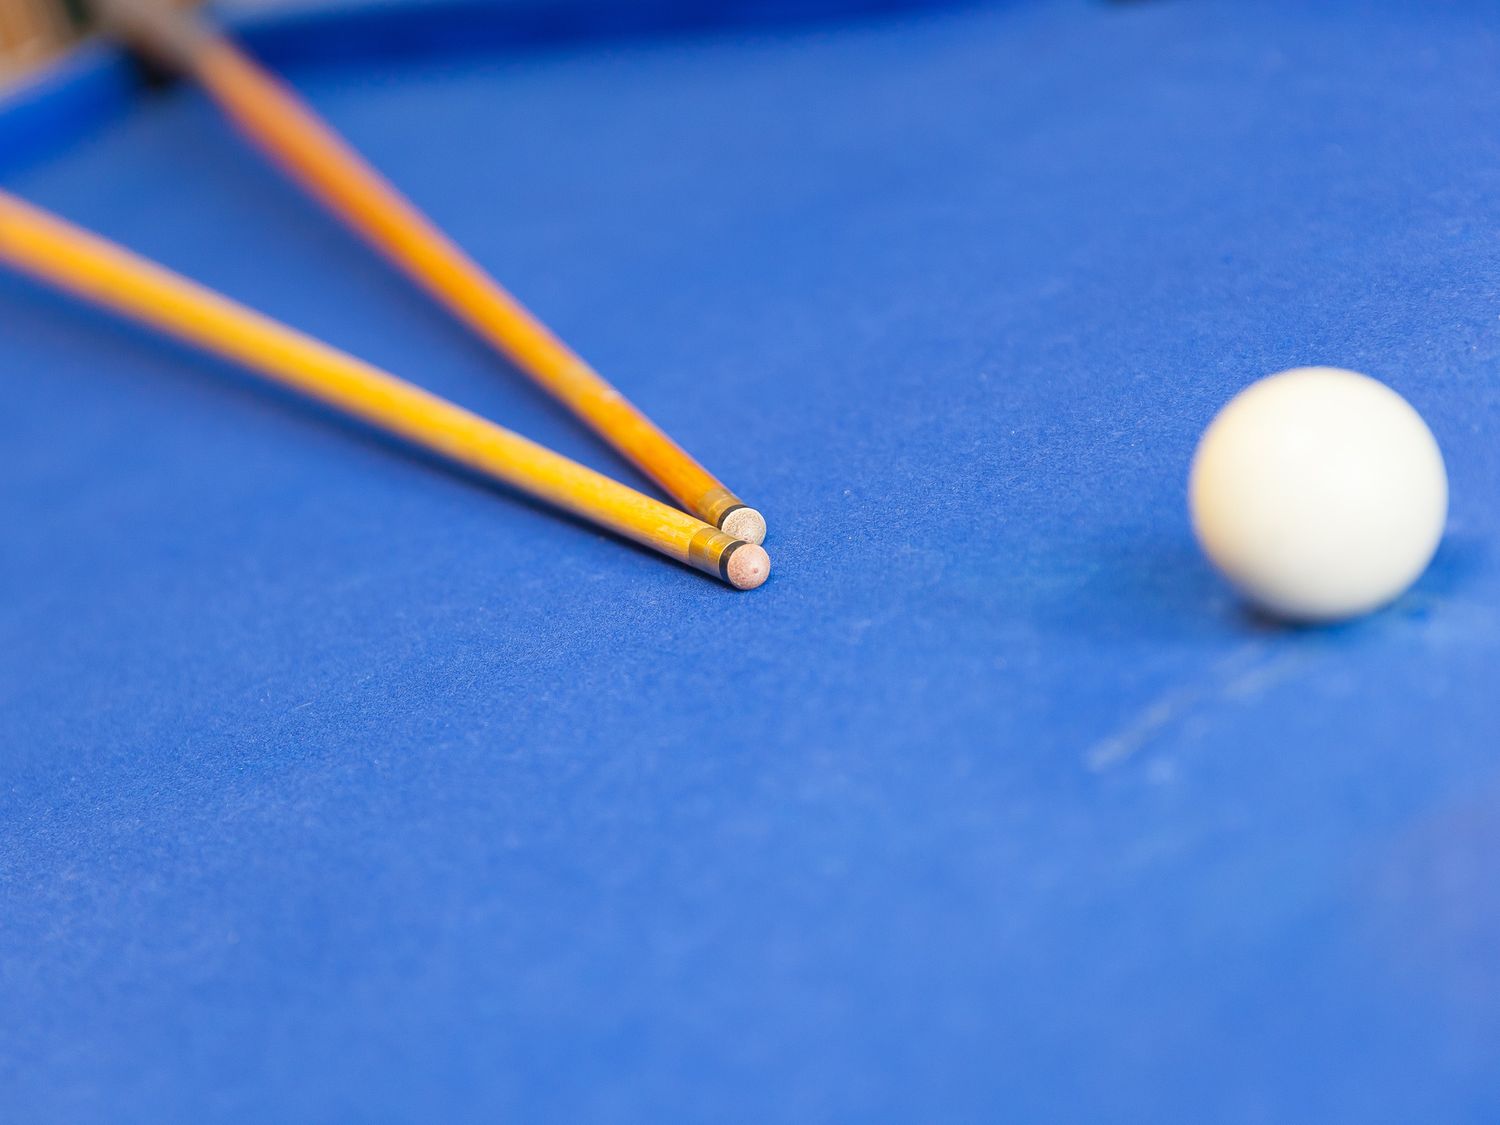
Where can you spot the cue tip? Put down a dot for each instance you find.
(747, 524)
(748, 566)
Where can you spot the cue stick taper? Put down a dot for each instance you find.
(87, 266)
(308, 149)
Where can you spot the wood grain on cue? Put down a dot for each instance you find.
(309, 150)
(54, 251)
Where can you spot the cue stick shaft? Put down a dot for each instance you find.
(87, 266)
(283, 126)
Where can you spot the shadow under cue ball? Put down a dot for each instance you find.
(1320, 494)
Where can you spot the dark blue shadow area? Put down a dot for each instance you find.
(334, 34)
(97, 81)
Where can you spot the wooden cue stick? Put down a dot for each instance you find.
(87, 266)
(309, 150)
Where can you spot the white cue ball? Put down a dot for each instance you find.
(1319, 493)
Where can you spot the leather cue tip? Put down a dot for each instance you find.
(746, 524)
(748, 566)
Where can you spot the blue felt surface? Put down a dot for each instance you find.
(334, 786)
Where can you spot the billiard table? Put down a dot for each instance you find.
(336, 785)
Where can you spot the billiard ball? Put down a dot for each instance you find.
(1320, 494)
